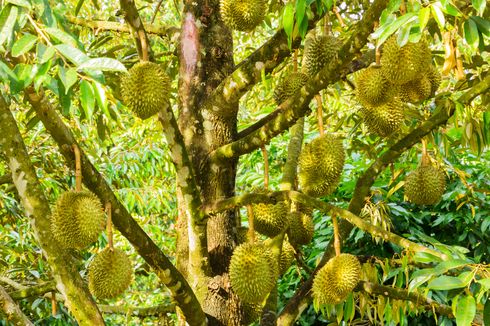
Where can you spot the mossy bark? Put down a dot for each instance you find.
(10, 311)
(36, 207)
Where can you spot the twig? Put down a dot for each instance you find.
(108, 210)
(266, 167)
(336, 241)
(78, 169)
(319, 113)
(251, 228)
(156, 11)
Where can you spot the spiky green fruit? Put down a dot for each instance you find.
(372, 88)
(287, 256)
(289, 85)
(253, 272)
(434, 77)
(110, 273)
(243, 15)
(416, 90)
(425, 185)
(270, 219)
(301, 228)
(251, 312)
(336, 280)
(384, 119)
(319, 51)
(145, 89)
(402, 64)
(77, 219)
(320, 165)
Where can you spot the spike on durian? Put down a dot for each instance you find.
(287, 256)
(243, 15)
(320, 165)
(288, 86)
(425, 185)
(270, 219)
(145, 89)
(319, 51)
(253, 272)
(416, 90)
(336, 280)
(372, 88)
(384, 119)
(110, 273)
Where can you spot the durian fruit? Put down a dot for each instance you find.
(434, 77)
(319, 51)
(416, 90)
(145, 89)
(77, 219)
(425, 185)
(270, 219)
(253, 272)
(402, 64)
(320, 165)
(384, 119)
(372, 88)
(288, 86)
(242, 234)
(110, 273)
(243, 15)
(252, 312)
(336, 280)
(301, 228)
(287, 256)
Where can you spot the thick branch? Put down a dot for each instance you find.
(36, 208)
(297, 106)
(132, 17)
(7, 178)
(33, 291)
(119, 27)
(10, 311)
(149, 251)
(138, 311)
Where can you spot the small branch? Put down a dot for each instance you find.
(339, 17)
(266, 167)
(121, 27)
(10, 311)
(6, 178)
(33, 291)
(336, 241)
(78, 169)
(319, 113)
(251, 227)
(138, 311)
(159, 4)
(132, 17)
(108, 210)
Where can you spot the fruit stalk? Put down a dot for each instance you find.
(78, 169)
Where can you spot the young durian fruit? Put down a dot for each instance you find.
(77, 219)
(243, 15)
(319, 51)
(270, 219)
(384, 119)
(301, 228)
(145, 89)
(288, 86)
(253, 272)
(110, 273)
(402, 64)
(333, 283)
(320, 165)
(416, 90)
(425, 185)
(372, 88)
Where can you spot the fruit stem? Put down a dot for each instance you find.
(251, 230)
(108, 210)
(336, 239)
(295, 61)
(319, 112)
(78, 169)
(378, 52)
(54, 307)
(403, 8)
(266, 167)
(326, 24)
(339, 17)
(425, 156)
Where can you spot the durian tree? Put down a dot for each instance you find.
(139, 136)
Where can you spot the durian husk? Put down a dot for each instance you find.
(288, 86)
(253, 272)
(301, 228)
(334, 281)
(110, 273)
(425, 185)
(145, 89)
(77, 219)
(372, 88)
(385, 119)
(319, 51)
(287, 256)
(320, 165)
(243, 15)
(270, 219)
(402, 64)
(434, 77)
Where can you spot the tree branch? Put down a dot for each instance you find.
(149, 251)
(36, 207)
(132, 17)
(33, 291)
(138, 311)
(294, 149)
(10, 311)
(297, 106)
(120, 27)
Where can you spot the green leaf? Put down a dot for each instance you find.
(449, 264)
(479, 5)
(485, 283)
(450, 9)
(73, 54)
(87, 99)
(471, 33)
(486, 312)
(446, 283)
(104, 64)
(465, 311)
(424, 15)
(288, 21)
(101, 98)
(7, 22)
(79, 6)
(68, 77)
(24, 44)
(44, 53)
(403, 35)
(483, 25)
(300, 11)
(387, 30)
(436, 9)
(61, 36)
(20, 3)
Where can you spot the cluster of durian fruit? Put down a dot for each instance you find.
(405, 75)
(77, 220)
(426, 184)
